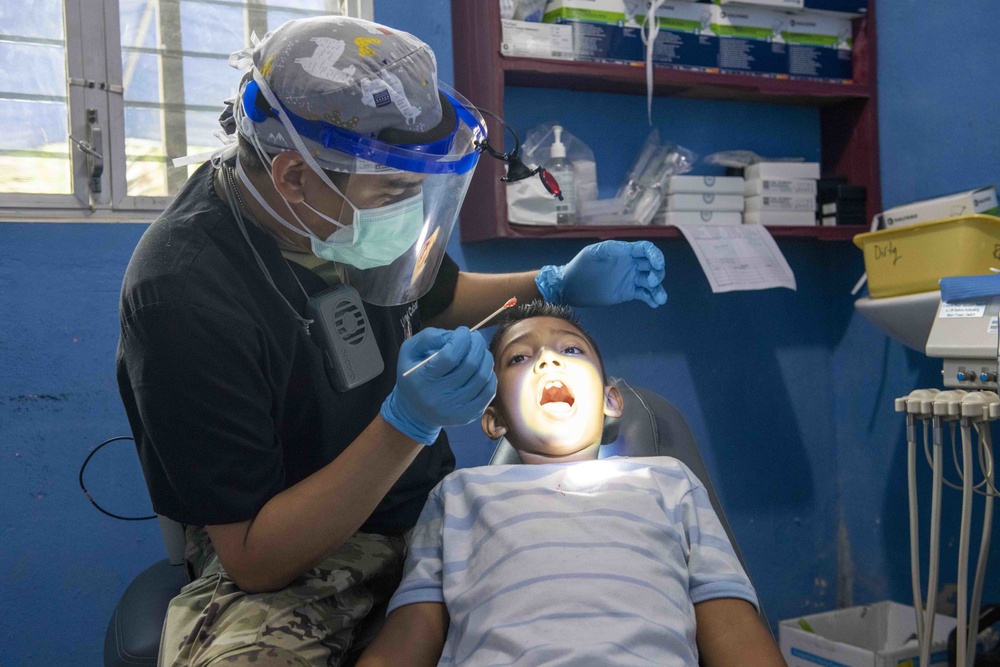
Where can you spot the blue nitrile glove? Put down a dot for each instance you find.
(606, 273)
(451, 389)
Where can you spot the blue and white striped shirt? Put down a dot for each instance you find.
(597, 562)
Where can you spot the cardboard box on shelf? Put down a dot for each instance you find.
(785, 186)
(704, 202)
(981, 200)
(781, 203)
(603, 30)
(843, 8)
(720, 185)
(685, 39)
(876, 635)
(834, 188)
(750, 40)
(780, 218)
(819, 46)
(536, 40)
(784, 5)
(665, 217)
(609, 31)
(782, 170)
(843, 219)
(844, 206)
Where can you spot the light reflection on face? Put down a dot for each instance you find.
(550, 393)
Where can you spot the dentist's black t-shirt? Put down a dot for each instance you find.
(226, 393)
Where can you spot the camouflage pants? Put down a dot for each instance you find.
(310, 623)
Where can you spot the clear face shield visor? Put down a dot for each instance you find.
(390, 208)
(392, 245)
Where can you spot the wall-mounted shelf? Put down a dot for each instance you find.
(841, 233)
(848, 116)
(631, 79)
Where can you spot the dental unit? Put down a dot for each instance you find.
(965, 337)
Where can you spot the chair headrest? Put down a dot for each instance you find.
(635, 433)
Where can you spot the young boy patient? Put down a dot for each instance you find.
(571, 560)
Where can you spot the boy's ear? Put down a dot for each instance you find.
(613, 401)
(493, 424)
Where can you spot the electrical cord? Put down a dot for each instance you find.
(911, 476)
(977, 488)
(87, 493)
(985, 445)
(964, 537)
(934, 556)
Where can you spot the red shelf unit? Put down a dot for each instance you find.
(848, 117)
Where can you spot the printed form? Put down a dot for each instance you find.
(739, 257)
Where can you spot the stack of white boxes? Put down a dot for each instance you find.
(781, 193)
(692, 200)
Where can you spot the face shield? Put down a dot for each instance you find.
(391, 205)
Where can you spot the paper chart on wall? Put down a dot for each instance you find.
(739, 257)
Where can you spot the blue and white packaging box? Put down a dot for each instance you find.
(536, 40)
(819, 46)
(780, 203)
(665, 217)
(685, 39)
(719, 185)
(780, 218)
(750, 40)
(603, 30)
(781, 170)
(780, 186)
(704, 201)
(783, 5)
(973, 202)
(610, 31)
(844, 8)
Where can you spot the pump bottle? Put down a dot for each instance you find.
(565, 174)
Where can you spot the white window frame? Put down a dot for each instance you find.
(94, 73)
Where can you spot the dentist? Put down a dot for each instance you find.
(296, 469)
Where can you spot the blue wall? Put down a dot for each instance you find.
(788, 392)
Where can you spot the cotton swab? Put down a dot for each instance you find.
(510, 302)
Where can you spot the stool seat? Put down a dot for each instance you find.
(133, 636)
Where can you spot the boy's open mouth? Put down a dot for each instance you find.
(556, 397)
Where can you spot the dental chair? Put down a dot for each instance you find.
(649, 426)
(133, 635)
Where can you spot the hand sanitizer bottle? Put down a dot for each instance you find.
(565, 174)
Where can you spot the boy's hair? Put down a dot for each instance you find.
(539, 308)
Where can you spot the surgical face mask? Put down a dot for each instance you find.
(378, 236)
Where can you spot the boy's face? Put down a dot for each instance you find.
(551, 400)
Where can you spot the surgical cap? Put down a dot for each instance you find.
(351, 73)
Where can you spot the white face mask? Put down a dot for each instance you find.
(378, 236)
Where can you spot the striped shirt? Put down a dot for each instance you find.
(597, 562)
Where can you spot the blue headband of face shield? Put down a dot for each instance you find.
(419, 158)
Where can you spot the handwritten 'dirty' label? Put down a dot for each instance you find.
(887, 251)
